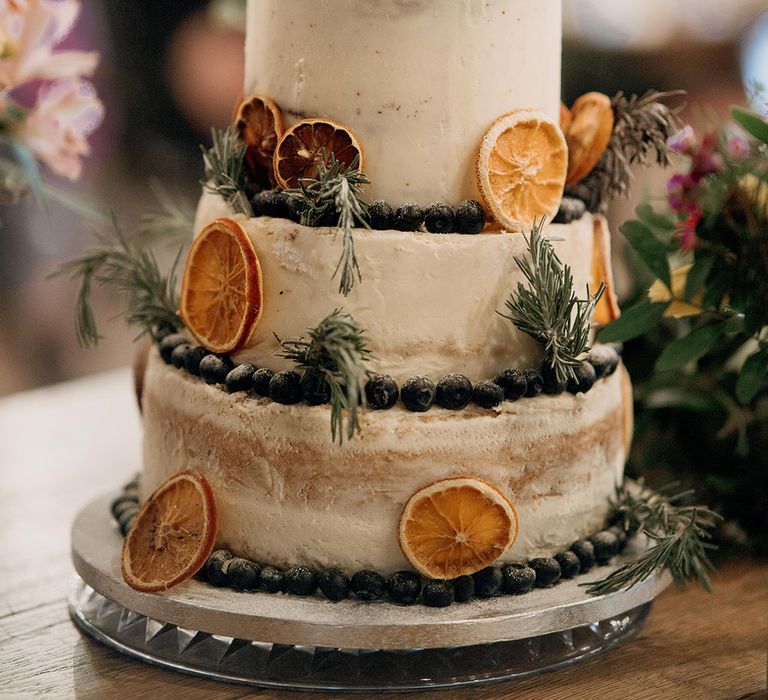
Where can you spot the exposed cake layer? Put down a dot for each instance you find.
(286, 495)
(419, 81)
(428, 301)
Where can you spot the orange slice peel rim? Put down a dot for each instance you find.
(147, 546)
(258, 121)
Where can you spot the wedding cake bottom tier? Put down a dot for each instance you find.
(287, 495)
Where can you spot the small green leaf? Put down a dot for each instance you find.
(751, 377)
(654, 219)
(689, 348)
(698, 274)
(650, 249)
(751, 122)
(633, 323)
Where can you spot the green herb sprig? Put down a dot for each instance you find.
(680, 534)
(151, 297)
(225, 169)
(335, 355)
(547, 308)
(172, 223)
(336, 191)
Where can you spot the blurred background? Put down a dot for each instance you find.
(170, 70)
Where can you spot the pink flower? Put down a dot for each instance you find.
(56, 128)
(29, 32)
(686, 232)
(683, 142)
(738, 147)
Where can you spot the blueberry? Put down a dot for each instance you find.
(161, 330)
(571, 209)
(179, 355)
(260, 381)
(240, 378)
(300, 580)
(517, 579)
(552, 385)
(408, 217)
(606, 545)
(243, 574)
(381, 392)
(585, 379)
(314, 388)
(121, 503)
(193, 358)
(604, 359)
(295, 209)
(330, 219)
(126, 518)
(585, 551)
(618, 347)
(334, 583)
(418, 394)
(453, 391)
(438, 594)
(168, 344)
(470, 216)
(271, 203)
(214, 368)
(380, 215)
(570, 565)
(463, 588)
(439, 218)
(285, 387)
(535, 383)
(272, 580)
(404, 587)
(368, 585)
(547, 570)
(621, 535)
(487, 582)
(513, 382)
(487, 394)
(216, 567)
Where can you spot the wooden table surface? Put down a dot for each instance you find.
(62, 446)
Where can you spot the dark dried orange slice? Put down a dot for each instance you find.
(300, 151)
(172, 536)
(259, 123)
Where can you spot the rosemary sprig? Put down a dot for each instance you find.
(547, 308)
(680, 535)
(336, 194)
(225, 171)
(335, 355)
(172, 223)
(642, 126)
(151, 298)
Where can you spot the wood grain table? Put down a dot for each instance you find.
(62, 446)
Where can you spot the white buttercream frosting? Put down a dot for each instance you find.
(286, 495)
(427, 301)
(418, 81)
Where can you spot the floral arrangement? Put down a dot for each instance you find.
(47, 108)
(704, 320)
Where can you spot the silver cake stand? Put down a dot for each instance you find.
(282, 641)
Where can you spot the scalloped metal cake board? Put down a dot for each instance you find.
(283, 641)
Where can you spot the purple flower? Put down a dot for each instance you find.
(686, 232)
(683, 142)
(738, 147)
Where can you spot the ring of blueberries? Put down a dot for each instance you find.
(417, 394)
(467, 217)
(403, 587)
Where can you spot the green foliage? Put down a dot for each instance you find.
(649, 248)
(633, 323)
(752, 375)
(751, 122)
(680, 536)
(547, 308)
(336, 192)
(689, 348)
(225, 169)
(336, 354)
(151, 297)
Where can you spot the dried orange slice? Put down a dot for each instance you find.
(521, 168)
(627, 409)
(259, 123)
(300, 150)
(589, 134)
(456, 526)
(172, 536)
(221, 291)
(607, 309)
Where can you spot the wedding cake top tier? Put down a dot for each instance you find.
(419, 81)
